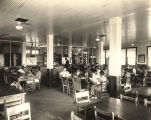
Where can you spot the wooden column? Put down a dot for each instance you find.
(10, 53)
(70, 48)
(50, 56)
(101, 52)
(115, 25)
(50, 60)
(85, 39)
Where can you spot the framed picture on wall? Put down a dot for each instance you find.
(141, 58)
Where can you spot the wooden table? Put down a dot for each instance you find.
(25, 79)
(142, 93)
(124, 109)
(6, 90)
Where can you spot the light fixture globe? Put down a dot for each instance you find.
(19, 27)
(98, 38)
(132, 44)
(58, 44)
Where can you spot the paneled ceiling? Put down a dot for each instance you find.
(77, 16)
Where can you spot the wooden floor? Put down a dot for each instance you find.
(50, 104)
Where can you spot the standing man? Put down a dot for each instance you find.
(67, 63)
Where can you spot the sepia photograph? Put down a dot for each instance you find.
(75, 59)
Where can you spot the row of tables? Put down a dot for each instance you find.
(124, 109)
(6, 90)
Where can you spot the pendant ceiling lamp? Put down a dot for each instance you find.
(58, 44)
(99, 37)
(19, 26)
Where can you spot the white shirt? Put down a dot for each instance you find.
(96, 78)
(65, 74)
(103, 78)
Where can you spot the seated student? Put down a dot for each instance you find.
(127, 86)
(96, 77)
(65, 73)
(95, 81)
(127, 77)
(78, 73)
(134, 70)
(76, 79)
(103, 78)
(38, 75)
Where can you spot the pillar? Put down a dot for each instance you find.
(23, 53)
(50, 55)
(100, 55)
(70, 48)
(14, 57)
(101, 52)
(85, 39)
(115, 25)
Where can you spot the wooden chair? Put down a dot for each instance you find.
(82, 96)
(19, 112)
(102, 115)
(127, 88)
(1, 108)
(30, 84)
(74, 117)
(147, 102)
(71, 89)
(82, 99)
(13, 100)
(117, 117)
(37, 84)
(65, 85)
(102, 91)
(128, 98)
(77, 83)
(38, 80)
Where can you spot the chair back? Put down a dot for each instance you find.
(127, 88)
(100, 114)
(71, 88)
(77, 83)
(30, 80)
(147, 102)
(82, 97)
(74, 117)
(104, 87)
(13, 100)
(30, 84)
(1, 100)
(65, 85)
(64, 81)
(19, 112)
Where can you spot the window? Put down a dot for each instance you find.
(27, 51)
(149, 56)
(103, 56)
(35, 52)
(131, 56)
(123, 56)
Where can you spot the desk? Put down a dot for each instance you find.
(124, 109)
(26, 79)
(6, 90)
